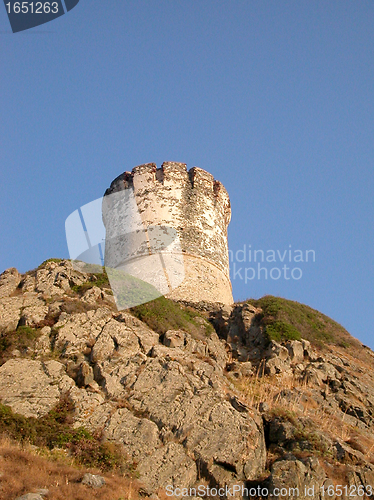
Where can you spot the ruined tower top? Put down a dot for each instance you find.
(197, 207)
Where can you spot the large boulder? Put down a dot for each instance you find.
(56, 278)
(117, 339)
(10, 313)
(76, 332)
(27, 309)
(139, 436)
(169, 465)
(210, 427)
(9, 280)
(296, 351)
(292, 478)
(33, 388)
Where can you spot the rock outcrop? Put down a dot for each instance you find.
(226, 408)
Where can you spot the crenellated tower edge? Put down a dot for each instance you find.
(198, 207)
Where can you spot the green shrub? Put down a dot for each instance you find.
(22, 338)
(164, 314)
(285, 319)
(55, 430)
(97, 279)
(130, 290)
(280, 331)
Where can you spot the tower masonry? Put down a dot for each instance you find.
(193, 203)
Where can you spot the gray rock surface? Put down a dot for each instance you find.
(301, 476)
(93, 480)
(32, 388)
(210, 427)
(139, 436)
(183, 404)
(169, 465)
(9, 280)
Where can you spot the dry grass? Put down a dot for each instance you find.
(24, 471)
(266, 389)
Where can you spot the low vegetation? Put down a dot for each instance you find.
(311, 422)
(26, 469)
(289, 320)
(22, 339)
(55, 430)
(163, 314)
(97, 279)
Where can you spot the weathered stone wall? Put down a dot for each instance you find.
(193, 203)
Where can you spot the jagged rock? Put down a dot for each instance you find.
(174, 338)
(28, 283)
(77, 331)
(239, 370)
(91, 410)
(281, 430)
(319, 373)
(216, 350)
(346, 454)
(276, 350)
(92, 295)
(116, 375)
(312, 376)
(168, 465)
(32, 315)
(32, 388)
(308, 351)
(306, 476)
(115, 339)
(353, 409)
(30, 306)
(210, 427)
(139, 436)
(195, 346)
(57, 278)
(93, 480)
(85, 375)
(226, 310)
(43, 343)
(9, 280)
(295, 351)
(207, 370)
(147, 338)
(244, 328)
(329, 371)
(10, 313)
(276, 365)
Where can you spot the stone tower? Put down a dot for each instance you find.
(196, 206)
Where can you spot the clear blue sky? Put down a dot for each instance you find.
(275, 99)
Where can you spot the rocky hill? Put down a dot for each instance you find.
(261, 395)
